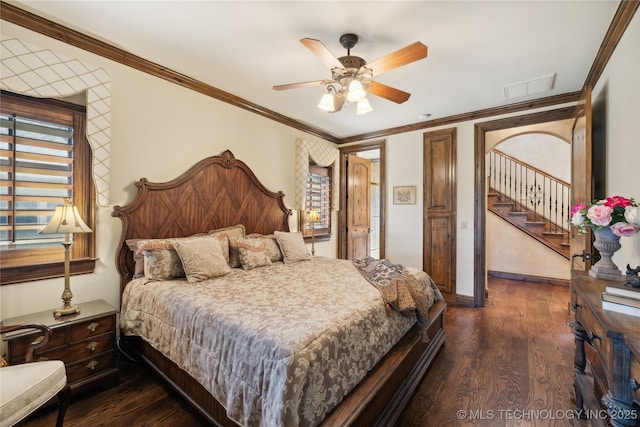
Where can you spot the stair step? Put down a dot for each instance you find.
(535, 224)
(539, 229)
(554, 233)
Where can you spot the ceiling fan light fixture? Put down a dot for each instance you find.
(338, 102)
(356, 92)
(363, 106)
(353, 76)
(327, 102)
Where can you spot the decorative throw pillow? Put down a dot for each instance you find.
(224, 243)
(270, 245)
(233, 231)
(231, 254)
(251, 252)
(292, 246)
(202, 258)
(161, 261)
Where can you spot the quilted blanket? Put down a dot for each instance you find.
(398, 287)
(277, 346)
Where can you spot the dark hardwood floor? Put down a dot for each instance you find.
(508, 364)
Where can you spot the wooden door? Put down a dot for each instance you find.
(439, 224)
(358, 206)
(581, 185)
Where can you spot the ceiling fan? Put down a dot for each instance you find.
(352, 77)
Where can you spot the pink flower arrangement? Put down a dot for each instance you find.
(620, 214)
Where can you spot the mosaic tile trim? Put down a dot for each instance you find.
(30, 70)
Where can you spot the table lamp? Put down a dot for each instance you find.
(66, 219)
(313, 218)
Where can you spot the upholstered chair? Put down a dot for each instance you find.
(26, 387)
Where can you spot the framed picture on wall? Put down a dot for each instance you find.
(404, 195)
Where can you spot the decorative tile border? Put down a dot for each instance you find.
(30, 70)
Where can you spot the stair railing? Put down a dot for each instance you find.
(530, 190)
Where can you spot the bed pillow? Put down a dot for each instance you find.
(202, 258)
(231, 254)
(161, 261)
(251, 252)
(138, 258)
(233, 231)
(292, 246)
(224, 243)
(270, 245)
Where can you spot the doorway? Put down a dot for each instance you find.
(480, 210)
(375, 153)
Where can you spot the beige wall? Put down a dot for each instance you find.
(621, 79)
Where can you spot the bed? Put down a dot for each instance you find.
(222, 193)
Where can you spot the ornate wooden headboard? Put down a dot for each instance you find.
(216, 192)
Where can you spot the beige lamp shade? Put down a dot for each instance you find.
(314, 216)
(66, 219)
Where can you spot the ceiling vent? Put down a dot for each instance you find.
(531, 87)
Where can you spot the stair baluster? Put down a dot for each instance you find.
(526, 190)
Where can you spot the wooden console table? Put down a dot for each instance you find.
(607, 357)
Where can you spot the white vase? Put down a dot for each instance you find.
(607, 244)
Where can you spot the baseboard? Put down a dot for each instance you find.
(527, 278)
(464, 300)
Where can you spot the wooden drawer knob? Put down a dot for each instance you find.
(92, 346)
(92, 365)
(93, 326)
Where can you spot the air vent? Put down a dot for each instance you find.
(531, 87)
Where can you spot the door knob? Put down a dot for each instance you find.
(584, 255)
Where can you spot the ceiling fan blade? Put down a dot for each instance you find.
(301, 84)
(321, 51)
(392, 94)
(401, 57)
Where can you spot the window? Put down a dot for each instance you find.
(44, 158)
(318, 197)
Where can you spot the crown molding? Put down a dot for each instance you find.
(28, 20)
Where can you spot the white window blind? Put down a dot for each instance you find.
(319, 197)
(36, 173)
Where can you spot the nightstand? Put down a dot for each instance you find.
(85, 342)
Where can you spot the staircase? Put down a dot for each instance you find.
(531, 200)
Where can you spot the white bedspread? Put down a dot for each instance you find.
(279, 345)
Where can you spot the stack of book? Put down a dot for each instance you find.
(622, 299)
